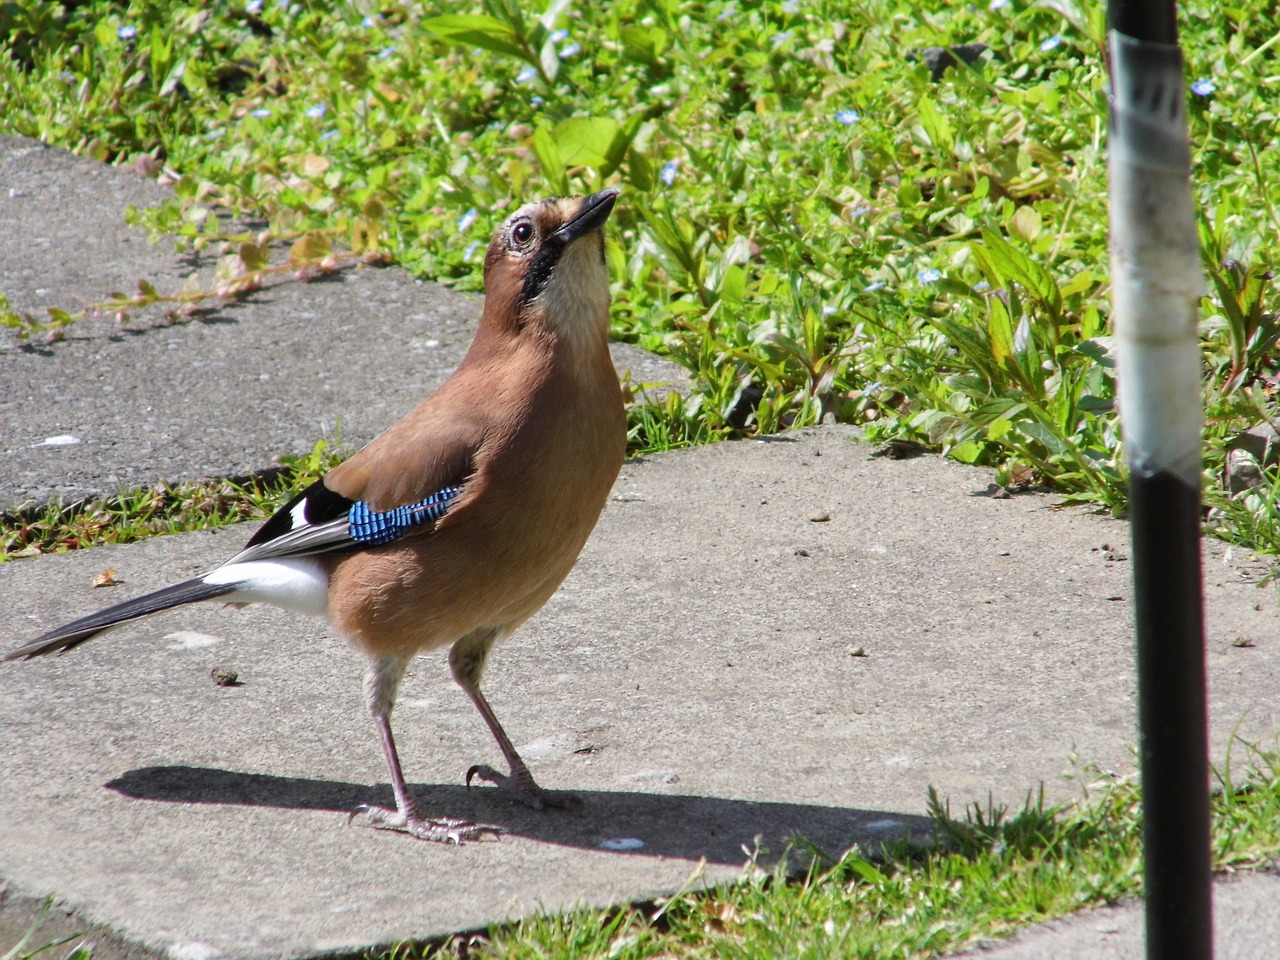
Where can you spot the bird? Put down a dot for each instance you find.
(457, 523)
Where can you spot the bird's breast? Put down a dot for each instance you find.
(540, 484)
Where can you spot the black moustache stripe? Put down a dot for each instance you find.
(540, 270)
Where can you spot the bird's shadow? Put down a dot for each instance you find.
(716, 829)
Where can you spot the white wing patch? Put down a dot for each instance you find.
(294, 583)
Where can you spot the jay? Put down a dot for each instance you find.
(456, 524)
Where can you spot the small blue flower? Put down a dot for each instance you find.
(780, 38)
(537, 101)
(848, 117)
(570, 50)
(386, 52)
(669, 171)
(466, 220)
(253, 6)
(261, 113)
(557, 35)
(527, 75)
(728, 13)
(1051, 43)
(828, 310)
(368, 23)
(67, 77)
(857, 212)
(329, 135)
(980, 286)
(471, 249)
(1203, 88)
(929, 275)
(873, 287)
(316, 111)
(997, 4)
(127, 32)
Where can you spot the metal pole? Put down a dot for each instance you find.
(1157, 283)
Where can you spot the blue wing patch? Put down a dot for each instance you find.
(378, 527)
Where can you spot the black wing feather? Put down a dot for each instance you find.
(322, 505)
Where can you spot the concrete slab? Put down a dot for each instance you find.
(223, 394)
(1246, 927)
(762, 639)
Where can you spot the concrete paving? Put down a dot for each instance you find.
(1246, 927)
(763, 639)
(697, 681)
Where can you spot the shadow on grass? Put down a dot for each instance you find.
(717, 829)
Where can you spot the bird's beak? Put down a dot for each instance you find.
(591, 216)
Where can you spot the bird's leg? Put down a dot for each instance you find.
(466, 659)
(381, 683)
(519, 782)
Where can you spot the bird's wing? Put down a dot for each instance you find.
(400, 484)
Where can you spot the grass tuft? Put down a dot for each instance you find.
(164, 508)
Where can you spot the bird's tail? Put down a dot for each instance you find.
(78, 631)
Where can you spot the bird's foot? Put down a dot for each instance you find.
(520, 784)
(439, 830)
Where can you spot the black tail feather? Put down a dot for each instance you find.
(78, 631)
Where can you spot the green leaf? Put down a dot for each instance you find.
(509, 12)
(479, 30)
(306, 249)
(641, 170)
(549, 59)
(999, 331)
(548, 154)
(174, 78)
(585, 141)
(621, 143)
(253, 256)
(866, 870)
(966, 452)
(374, 210)
(733, 285)
(161, 49)
(935, 126)
(552, 13)
(1001, 262)
(1025, 223)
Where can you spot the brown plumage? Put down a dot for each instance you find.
(521, 445)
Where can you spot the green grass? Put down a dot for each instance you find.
(30, 945)
(56, 527)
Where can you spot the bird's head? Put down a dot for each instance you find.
(545, 265)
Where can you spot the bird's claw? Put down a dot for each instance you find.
(438, 830)
(524, 789)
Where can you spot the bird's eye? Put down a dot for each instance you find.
(522, 233)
